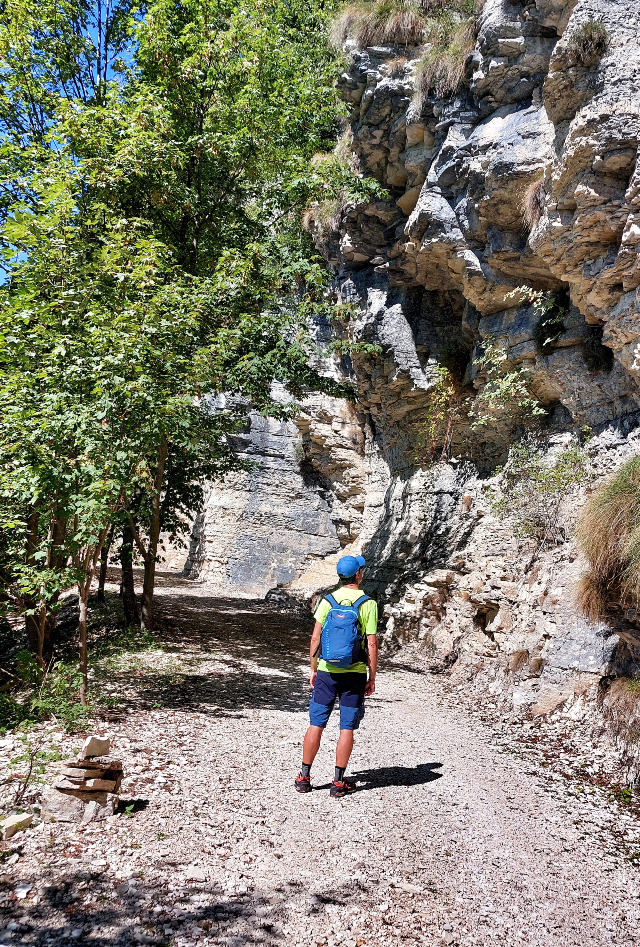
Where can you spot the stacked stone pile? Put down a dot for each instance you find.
(87, 788)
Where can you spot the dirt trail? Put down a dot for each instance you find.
(448, 840)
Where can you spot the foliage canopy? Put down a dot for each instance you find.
(154, 161)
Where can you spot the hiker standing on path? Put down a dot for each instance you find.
(344, 638)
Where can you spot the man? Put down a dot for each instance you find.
(348, 683)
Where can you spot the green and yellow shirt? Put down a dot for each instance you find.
(368, 620)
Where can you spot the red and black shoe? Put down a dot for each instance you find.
(338, 790)
(303, 783)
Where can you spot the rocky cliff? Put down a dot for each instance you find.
(428, 270)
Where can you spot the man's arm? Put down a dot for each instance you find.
(372, 648)
(313, 652)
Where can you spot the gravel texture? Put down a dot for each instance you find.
(452, 838)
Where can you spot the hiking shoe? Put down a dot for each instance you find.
(338, 790)
(303, 783)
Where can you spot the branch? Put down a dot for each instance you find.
(136, 537)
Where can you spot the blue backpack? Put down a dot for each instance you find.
(341, 640)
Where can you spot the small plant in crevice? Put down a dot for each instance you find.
(506, 393)
(532, 487)
(397, 67)
(533, 203)
(342, 153)
(551, 309)
(588, 43)
(348, 347)
(445, 408)
(597, 357)
(609, 536)
(324, 216)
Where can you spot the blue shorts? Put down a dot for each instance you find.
(349, 687)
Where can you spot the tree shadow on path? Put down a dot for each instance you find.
(255, 655)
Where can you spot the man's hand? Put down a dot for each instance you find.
(370, 686)
(314, 647)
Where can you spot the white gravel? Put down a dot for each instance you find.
(448, 839)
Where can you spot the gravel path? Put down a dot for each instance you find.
(447, 841)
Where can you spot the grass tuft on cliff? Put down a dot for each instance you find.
(619, 703)
(383, 23)
(441, 69)
(324, 216)
(447, 26)
(609, 535)
(588, 43)
(533, 203)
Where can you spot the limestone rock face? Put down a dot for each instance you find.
(429, 268)
(259, 528)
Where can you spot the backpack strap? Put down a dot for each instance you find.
(360, 601)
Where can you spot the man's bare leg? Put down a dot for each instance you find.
(344, 748)
(311, 744)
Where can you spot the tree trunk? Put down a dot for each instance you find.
(30, 602)
(57, 560)
(32, 628)
(83, 597)
(89, 562)
(40, 627)
(154, 536)
(48, 638)
(104, 564)
(129, 600)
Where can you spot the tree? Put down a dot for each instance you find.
(152, 170)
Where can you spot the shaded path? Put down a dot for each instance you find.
(447, 841)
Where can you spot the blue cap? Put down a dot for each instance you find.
(349, 565)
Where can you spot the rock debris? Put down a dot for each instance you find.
(458, 833)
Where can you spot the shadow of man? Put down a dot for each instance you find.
(397, 776)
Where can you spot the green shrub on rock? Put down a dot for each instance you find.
(533, 484)
(588, 43)
(505, 395)
(444, 410)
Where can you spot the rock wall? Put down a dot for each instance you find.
(260, 528)
(429, 269)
